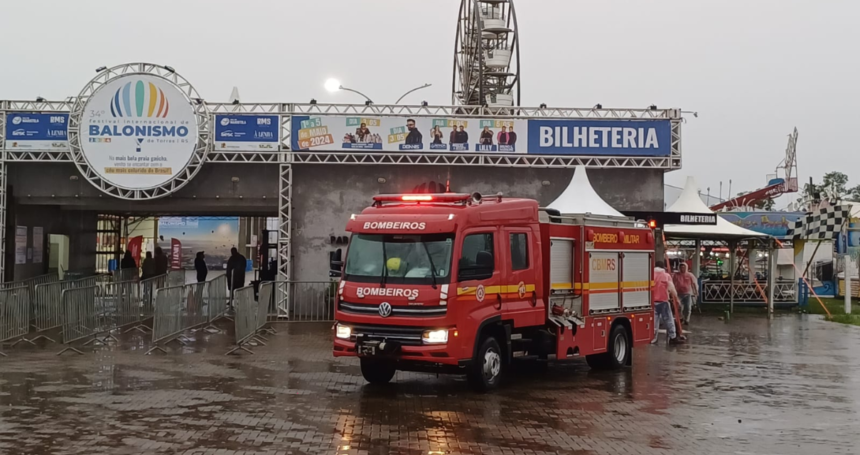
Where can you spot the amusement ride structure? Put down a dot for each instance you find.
(487, 55)
(783, 181)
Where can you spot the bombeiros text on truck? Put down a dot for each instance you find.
(457, 283)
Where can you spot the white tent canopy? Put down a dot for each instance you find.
(689, 202)
(580, 198)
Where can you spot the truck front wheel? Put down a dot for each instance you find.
(377, 371)
(486, 369)
(617, 351)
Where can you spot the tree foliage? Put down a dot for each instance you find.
(833, 185)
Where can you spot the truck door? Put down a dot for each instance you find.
(479, 274)
(520, 300)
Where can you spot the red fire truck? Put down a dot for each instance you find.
(463, 284)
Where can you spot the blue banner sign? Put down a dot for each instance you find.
(249, 132)
(600, 137)
(776, 224)
(44, 131)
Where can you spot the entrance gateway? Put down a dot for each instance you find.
(140, 132)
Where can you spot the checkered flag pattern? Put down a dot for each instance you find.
(822, 224)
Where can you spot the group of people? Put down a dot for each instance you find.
(504, 137)
(681, 286)
(153, 266)
(362, 136)
(150, 267)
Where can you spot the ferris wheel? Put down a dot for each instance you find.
(487, 54)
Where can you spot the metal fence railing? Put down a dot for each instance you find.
(80, 315)
(245, 319)
(148, 288)
(186, 307)
(14, 314)
(167, 319)
(310, 301)
(217, 300)
(264, 307)
(721, 291)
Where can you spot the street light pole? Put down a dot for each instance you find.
(413, 90)
(355, 91)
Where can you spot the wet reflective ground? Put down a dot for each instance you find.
(788, 386)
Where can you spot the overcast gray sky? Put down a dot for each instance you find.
(753, 69)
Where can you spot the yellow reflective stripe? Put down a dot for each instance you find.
(563, 285)
(505, 289)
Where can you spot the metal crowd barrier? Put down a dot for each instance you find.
(177, 309)
(148, 288)
(81, 317)
(127, 274)
(245, 319)
(122, 304)
(310, 301)
(48, 304)
(167, 319)
(14, 315)
(176, 278)
(264, 302)
(217, 300)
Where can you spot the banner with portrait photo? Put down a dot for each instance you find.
(408, 134)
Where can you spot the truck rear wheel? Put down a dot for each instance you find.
(377, 371)
(617, 352)
(486, 370)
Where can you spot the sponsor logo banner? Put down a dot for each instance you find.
(46, 131)
(258, 133)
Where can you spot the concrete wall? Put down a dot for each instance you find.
(325, 195)
(78, 225)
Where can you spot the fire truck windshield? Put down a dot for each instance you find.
(399, 259)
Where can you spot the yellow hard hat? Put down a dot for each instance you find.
(393, 264)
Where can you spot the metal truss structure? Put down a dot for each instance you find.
(287, 110)
(286, 159)
(285, 211)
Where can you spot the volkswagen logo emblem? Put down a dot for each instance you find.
(385, 309)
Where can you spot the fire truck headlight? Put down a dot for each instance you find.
(435, 336)
(343, 332)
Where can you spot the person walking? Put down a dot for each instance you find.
(236, 270)
(663, 289)
(200, 267)
(128, 268)
(148, 266)
(160, 262)
(688, 290)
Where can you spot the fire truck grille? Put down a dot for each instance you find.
(408, 336)
(410, 311)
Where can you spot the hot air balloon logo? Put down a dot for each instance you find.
(139, 99)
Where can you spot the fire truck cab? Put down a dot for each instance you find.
(461, 283)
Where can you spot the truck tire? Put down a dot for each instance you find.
(377, 371)
(486, 369)
(617, 351)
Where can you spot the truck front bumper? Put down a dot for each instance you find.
(406, 355)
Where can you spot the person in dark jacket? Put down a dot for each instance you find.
(200, 267)
(414, 136)
(127, 261)
(462, 136)
(236, 270)
(160, 262)
(148, 266)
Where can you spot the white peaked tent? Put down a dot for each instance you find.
(580, 197)
(689, 202)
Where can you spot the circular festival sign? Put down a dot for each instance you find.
(141, 134)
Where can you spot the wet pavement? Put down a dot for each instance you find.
(786, 386)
